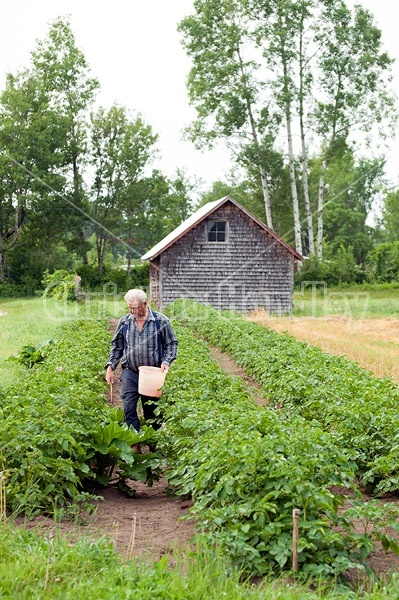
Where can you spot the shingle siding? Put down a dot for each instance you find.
(248, 271)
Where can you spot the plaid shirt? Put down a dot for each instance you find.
(141, 347)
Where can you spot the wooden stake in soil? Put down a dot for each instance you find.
(112, 393)
(130, 549)
(3, 498)
(295, 516)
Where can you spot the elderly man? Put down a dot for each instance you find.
(142, 338)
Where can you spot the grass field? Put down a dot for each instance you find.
(373, 343)
(359, 302)
(30, 321)
(25, 322)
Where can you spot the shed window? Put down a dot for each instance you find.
(217, 231)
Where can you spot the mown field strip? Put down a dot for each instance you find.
(372, 343)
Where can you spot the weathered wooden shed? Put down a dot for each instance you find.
(223, 256)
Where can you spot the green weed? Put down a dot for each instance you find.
(53, 567)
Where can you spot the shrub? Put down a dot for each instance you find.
(384, 262)
(92, 280)
(9, 289)
(338, 269)
(59, 285)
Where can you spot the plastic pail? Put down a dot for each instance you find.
(151, 379)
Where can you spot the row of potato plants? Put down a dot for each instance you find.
(246, 468)
(59, 438)
(359, 409)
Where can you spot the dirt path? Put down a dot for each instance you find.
(227, 364)
(150, 524)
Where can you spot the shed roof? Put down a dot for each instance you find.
(199, 216)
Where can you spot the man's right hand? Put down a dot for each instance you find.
(109, 375)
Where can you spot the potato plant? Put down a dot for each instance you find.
(59, 437)
(247, 467)
(357, 408)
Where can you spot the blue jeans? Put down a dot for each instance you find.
(130, 397)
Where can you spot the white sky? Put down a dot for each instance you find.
(134, 50)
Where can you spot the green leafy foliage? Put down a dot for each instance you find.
(59, 285)
(112, 443)
(358, 409)
(32, 355)
(384, 262)
(247, 467)
(59, 438)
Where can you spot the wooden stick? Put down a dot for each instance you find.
(295, 516)
(112, 393)
(3, 498)
(130, 549)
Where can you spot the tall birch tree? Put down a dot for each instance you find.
(354, 84)
(314, 65)
(279, 33)
(222, 83)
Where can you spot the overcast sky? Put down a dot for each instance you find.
(133, 48)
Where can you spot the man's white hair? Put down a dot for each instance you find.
(135, 295)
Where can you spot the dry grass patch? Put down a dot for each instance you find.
(373, 343)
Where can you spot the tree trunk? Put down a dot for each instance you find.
(9, 237)
(262, 171)
(287, 111)
(129, 253)
(294, 192)
(77, 200)
(308, 208)
(101, 243)
(266, 198)
(3, 266)
(85, 259)
(320, 208)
